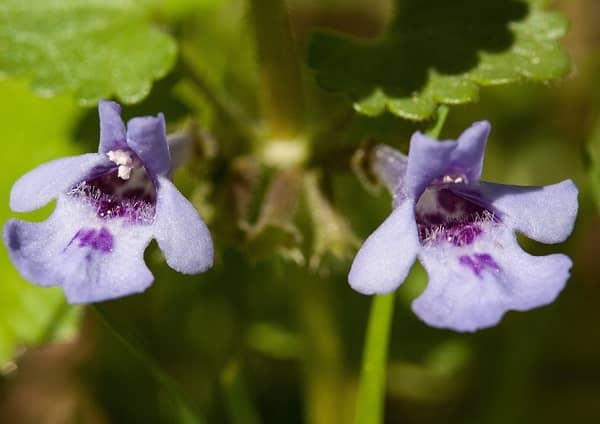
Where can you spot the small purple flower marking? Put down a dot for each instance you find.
(100, 240)
(463, 232)
(110, 205)
(478, 262)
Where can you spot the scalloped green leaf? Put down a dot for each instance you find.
(34, 131)
(440, 51)
(93, 48)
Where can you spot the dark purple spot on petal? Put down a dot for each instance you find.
(475, 267)
(479, 262)
(100, 240)
(14, 237)
(487, 260)
(85, 236)
(103, 241)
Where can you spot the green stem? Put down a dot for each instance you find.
(177, 393)
(371, 391)
(240, 405)
(324, 377)
(282, 90)
(440, 119)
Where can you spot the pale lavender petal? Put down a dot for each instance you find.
(473, 287)
(91, 259)
(390, 167)
(430, 160)
(427, 161)
(545, 214)
(46, 182)
(93, 275)
(180, 232)
(469, 153)
(32, 248)
(385, 258)
(112, 129)
(147, 137)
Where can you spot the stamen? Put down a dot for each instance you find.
(125, 160)
(453, 179)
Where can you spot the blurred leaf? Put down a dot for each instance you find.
(414, 285)
(439, 378)
(230, 64)
(274, 340)
(34, 131)
(275, 230)
(593, 150)
(240, 404)
(439, 51)
(451, 356)
(334, 243)
(180, 8)
(95, 48)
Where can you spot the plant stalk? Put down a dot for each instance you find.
(282, 91)
(371, 390)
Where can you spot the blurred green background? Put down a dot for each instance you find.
(273, 333)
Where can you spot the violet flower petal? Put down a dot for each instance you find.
(180, 232)
(147, 137)
(92, 259)
(32, 247)
(385, 258)
(546, 214)
(390, 167)
(430, 159)
(112, 129)
(46, 182)
(470, 150)
(471, 288)
(108, 275)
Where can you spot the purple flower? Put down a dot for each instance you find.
(110, 205)
(463, 232)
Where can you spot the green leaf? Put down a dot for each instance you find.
(94, 48)
(439, 51)
(593, 151)
(34, 130)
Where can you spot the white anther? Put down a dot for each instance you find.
(124, 172)
(124, 159)
(453, 179)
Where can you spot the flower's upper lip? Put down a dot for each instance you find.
(429, 159)
(145, 136)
